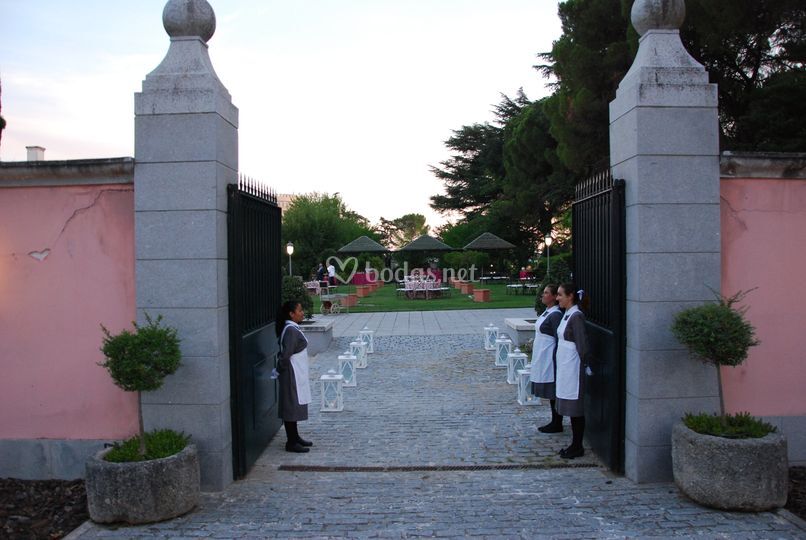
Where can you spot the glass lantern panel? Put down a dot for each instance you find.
(347, 372)
(525, 395)
(490, 335)
(331, 395)
(503, 352)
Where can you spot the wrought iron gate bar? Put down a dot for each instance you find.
(598, 239)
(254, 271)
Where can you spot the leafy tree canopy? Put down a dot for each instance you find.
(318, 224)
(400, 231)
(755, 51)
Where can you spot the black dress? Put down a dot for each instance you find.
(289, 408)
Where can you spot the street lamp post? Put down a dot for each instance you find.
(548, 240)
(289, 248)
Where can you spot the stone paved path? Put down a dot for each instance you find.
(426, 403)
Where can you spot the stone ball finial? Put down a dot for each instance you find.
(657, 15)
(189, 18)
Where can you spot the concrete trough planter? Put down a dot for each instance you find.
(144, 491)
(750, 475)
(521, 330)
(319, 333)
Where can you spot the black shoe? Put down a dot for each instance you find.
(551, 427)
(296, 447)
(303, 442)
(571, 452)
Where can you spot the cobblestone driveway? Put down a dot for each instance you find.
(427, 403)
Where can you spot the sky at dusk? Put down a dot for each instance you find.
(348, 96)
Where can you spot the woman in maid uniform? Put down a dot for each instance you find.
(573, 359)
(292, 366)
(544, 369)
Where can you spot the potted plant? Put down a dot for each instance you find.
(731, 462)
(152, 476)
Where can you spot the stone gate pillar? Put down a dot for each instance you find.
(664, 142)
(186, 152)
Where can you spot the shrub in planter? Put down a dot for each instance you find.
(152, 476)
(294, 289)
(728, 462)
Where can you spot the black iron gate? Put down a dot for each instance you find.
(253, 227)
(599, 268)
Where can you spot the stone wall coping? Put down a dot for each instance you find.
(69, 172)
(520, 324)
(774, 165)
(317, 325)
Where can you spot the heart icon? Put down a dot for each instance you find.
(342, 266)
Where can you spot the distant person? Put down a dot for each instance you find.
(292, 367)
(544, 348)
(320, 273)
(331, 275)
(523, 274)
(573, 364)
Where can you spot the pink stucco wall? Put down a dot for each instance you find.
(764, 246)
(50, 310)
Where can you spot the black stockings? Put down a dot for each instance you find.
(291, 432)
(577, 431)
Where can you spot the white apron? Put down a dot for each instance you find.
(543, 352)
(568, 362)
(299, 363)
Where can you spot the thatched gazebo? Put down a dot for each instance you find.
(363, 244)
(488, 242)
(426, 243)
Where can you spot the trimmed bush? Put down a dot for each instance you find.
(716, 333)
(139, 361)
(294, 289)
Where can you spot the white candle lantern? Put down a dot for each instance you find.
(490, 335)
(525, 394)
(347, 368)
(359, 350)
(515, 361)
(330, 385)
(368, 337)
(503, 345)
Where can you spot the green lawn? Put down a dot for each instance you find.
(386, 299)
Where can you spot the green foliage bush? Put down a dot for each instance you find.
(158, 444)
(739, 426)
(140, 360)
(294, 289)
(716, 333)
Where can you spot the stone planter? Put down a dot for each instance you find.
(481, 295)
(142, 492)
(731, 474)
(319, 333)
(362, 291)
